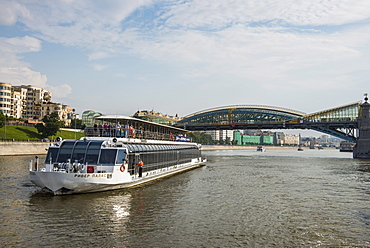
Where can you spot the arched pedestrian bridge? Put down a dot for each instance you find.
(340, 122)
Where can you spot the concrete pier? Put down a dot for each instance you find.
(362, 147)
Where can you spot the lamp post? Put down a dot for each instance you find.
(5, 128)
(73, 110)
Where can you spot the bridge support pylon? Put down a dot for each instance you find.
(362, 147)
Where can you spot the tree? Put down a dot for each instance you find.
(77, 123)
(51, 125)
(2, 119)
(201, 138)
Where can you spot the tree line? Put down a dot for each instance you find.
(51, 124)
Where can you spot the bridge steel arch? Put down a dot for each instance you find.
(237, 116)
(340, 122)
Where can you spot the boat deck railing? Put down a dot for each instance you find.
(121, 133)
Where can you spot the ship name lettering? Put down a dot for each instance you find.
(99, 175)
(82, 175)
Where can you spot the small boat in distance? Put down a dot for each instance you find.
(94, 164)
(261, 149)
(300, 149)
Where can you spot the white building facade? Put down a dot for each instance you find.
(30, 103)
(287, 139)
(221, 134)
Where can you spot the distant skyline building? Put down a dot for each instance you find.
(31, 103)
(287, 139)
(254, 137)
(220, 134)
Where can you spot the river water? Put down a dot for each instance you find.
(241, 198)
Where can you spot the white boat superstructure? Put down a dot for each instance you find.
(94, 164)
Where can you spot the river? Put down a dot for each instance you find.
(241, 198)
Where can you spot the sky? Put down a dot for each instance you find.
(184, 56)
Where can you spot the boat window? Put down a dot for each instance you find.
(52, 155)
(107, 156)
(79, 151)
(92, 153)
(131, 148)
(138, 148)
(65, 151)
(142, 148)
(121, 156)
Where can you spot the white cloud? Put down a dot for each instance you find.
(272, 43)
(211, 14)
(83, 23)
(12, 68)
(19, 44)
(11, 11)
(99, 67)
(60, 91)
(251, 53)
(22, 76)
(17, 72)
(98, 55)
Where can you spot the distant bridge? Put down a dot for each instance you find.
(341, 122)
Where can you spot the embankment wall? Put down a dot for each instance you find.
(23, 148)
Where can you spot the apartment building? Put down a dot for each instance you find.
(287, 139)
(31, 103)
(5, 98)
(220, 134)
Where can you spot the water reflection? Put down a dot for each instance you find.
(83, 218)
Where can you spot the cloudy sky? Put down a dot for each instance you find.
(183, 56)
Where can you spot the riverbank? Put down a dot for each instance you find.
(39, 148)
(224, 147)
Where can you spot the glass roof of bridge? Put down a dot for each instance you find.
(241, 114)
(350, 112)
(262, 114)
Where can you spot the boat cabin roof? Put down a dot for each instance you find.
(135, 122)
(140, 129)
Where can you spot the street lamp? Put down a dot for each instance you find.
(5, 128)
(73, 110)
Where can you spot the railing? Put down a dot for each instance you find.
(24, 140)
(19, 124)
(119, 133)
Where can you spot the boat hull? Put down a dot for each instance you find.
(61, 183)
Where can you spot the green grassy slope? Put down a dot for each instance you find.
(14, 132)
